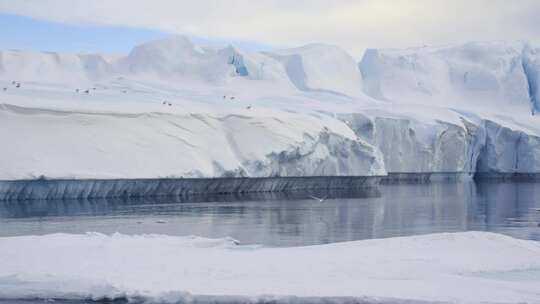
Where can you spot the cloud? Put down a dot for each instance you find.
(351, 24)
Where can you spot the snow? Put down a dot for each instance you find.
(472, 75)
(177, 144)
(321, 67)
(50, 66)
(468, 267)
(304, 111)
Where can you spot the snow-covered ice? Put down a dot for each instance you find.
(468, 267)
(171, 108)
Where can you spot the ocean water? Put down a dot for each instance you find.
(295, 219)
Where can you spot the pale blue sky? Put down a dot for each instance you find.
(354, 25)
(27, 33)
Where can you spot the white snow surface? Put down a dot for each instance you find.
(320, 67)
(304, 111)
(468, 267)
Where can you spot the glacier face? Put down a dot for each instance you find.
(450, 148)
(487, 147)
(171, 108)
(507, 150)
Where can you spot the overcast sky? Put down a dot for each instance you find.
(351, 24)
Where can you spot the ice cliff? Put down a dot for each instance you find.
(482, 97)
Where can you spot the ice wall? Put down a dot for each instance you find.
(486, 147)
(506, 150)
(43, 189)
(409, 146)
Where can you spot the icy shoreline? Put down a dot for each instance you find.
(467, 267)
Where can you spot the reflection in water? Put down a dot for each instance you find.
(295, 219)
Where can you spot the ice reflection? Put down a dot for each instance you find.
(295, 219)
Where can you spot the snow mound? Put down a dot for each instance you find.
(319, 67)
(469, 267)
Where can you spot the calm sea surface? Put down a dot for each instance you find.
(295, 219)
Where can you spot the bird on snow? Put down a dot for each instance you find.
(318, 198)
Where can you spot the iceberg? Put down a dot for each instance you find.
(174, 109)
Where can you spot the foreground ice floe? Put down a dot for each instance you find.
(451, 267)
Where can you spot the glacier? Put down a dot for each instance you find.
(174, 109)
